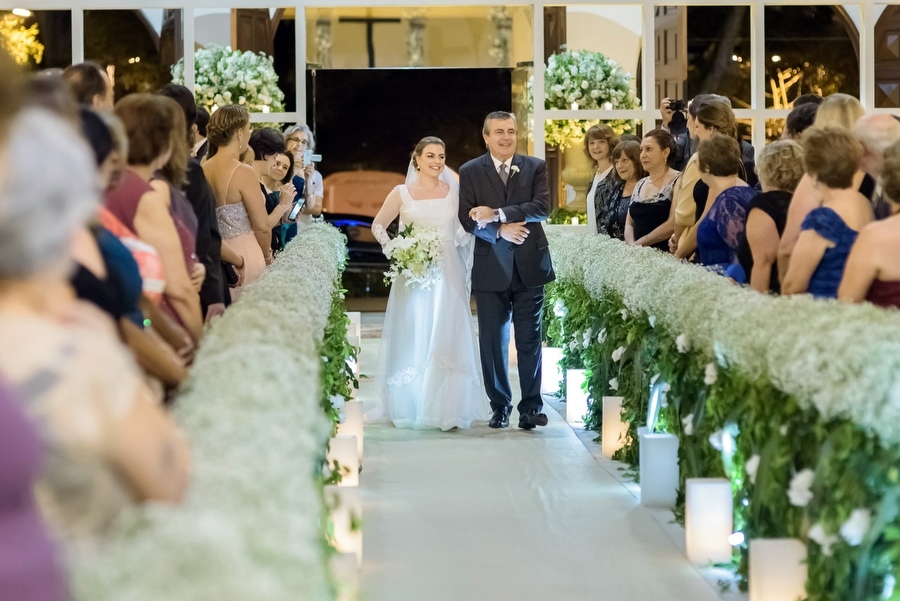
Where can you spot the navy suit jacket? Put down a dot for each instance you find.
(524, 198)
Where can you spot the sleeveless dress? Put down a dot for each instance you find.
(826, 279)
(429, 370)
(647, 214)
(234, 225)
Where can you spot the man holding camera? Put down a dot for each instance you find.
(674, 120)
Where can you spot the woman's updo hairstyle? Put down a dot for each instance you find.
(718, 116)
(224, 123)
(663, 139)
(417, 152)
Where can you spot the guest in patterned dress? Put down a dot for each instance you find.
(831, 156)
(613, 197)
(721, 227)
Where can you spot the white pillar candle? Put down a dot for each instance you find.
(353, 424)
(612, 435)
(345, 571)
(551, 374)
(355, 327)
(708, 520)
(342, 452)
(345, 507)
(576, 398)
(778, 569)
(659, 469)
(354, 363)
(574, 220)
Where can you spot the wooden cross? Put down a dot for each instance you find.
(370, 25)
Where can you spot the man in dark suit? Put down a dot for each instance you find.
(503, 197)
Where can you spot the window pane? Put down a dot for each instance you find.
(434, 36)
(137, 47)
(262, 48)
(38, 40)
(703, 49)
(887, 58)
(810, 50)
(620, 44)
(774, 129)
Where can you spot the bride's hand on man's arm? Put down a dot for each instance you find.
(483, 215)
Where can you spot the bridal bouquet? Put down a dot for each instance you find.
(416, 255)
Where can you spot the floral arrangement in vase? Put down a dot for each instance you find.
(225, 76)
(581, 79)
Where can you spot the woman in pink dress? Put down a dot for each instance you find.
(240, 205)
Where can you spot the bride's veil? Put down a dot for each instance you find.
(465, 242)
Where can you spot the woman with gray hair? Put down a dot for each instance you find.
(109, 442)
(298, 139)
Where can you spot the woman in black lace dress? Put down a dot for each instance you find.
(613, 196)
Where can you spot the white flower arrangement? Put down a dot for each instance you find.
(823, 539)
(224, 76)
(800, 489)
(601, 336)
(614, 384)
(415, 255)
(250, 527)
(751, 466)
(710, 374)
(581, 79)
(841, 359)
(857, 525)
(687, 424)
(617, 354)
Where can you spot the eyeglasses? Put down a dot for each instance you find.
(299, 142)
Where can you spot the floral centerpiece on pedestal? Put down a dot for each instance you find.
(581, 79)
(225, 76)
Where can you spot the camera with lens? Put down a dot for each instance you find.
(676, 105)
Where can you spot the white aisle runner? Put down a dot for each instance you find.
(506, 515)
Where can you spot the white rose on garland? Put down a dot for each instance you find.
(800, 489)
(826, 541)
(225, 76)
(617, 354)
(751, 467)
(682, 343)
(711, 374)
(857, 525)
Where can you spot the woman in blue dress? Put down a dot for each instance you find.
(721, 227)
(831, 156)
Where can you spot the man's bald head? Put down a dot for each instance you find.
(876, 133)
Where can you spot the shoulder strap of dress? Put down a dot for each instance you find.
(228, 185)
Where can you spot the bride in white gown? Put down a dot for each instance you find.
(428, 367)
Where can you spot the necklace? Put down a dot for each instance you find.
(654, 184)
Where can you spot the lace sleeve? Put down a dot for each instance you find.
(388, 212)
(380, 234)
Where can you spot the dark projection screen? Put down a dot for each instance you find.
(372, 118)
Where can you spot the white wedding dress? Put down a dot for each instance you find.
(428, 367)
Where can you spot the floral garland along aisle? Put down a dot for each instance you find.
(252, 525)
(808, 390)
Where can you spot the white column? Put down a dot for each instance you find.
(551, 373)
(345, 506)
(612, 435)
(708, 520)
(343, 453)
(353, 424)
(778, 569)
(187, 16)
(77, 36)
(576, 398)
(659, 469)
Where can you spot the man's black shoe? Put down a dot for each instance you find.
(528, 421)
(500, 418)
